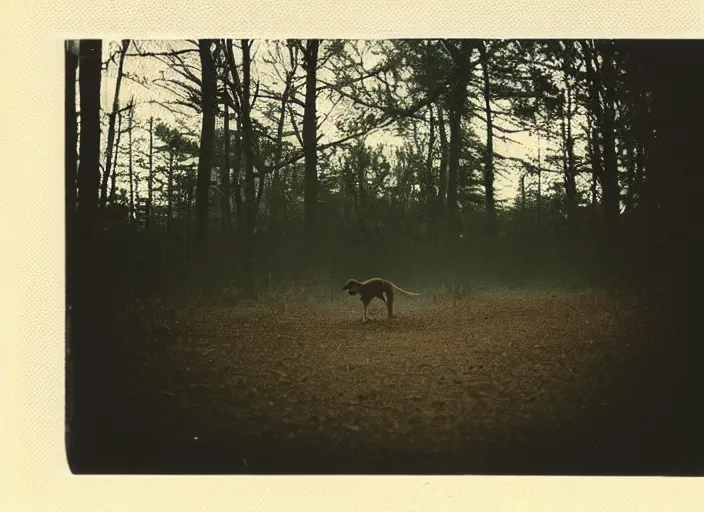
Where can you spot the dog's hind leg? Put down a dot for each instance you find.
(390, 302)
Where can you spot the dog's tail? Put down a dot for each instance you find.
(404, 292)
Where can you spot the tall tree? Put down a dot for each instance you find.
(209, 110)
(444, 158)
(569, 161)
(275, 200)
(150, 177)
(71, 50)
(310, 137)
(599, 62)
(130, 170)
(83, 356)
(225, 193)
(427, 180)
(460, 52)
(71, 139)
(361, 161)
(177, 148)
(235, 100)
(244, 150)
(248, 153)
(610, 184)
(489, 153)
(113, 167)
(89, 166)
(111, 124)
(594, 152)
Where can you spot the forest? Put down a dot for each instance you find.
(543, 197)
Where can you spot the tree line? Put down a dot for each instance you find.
(276, 164)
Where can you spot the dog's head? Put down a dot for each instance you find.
(351, 286)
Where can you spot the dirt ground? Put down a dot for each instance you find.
(511, 382)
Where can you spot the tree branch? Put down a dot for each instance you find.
(172, 53)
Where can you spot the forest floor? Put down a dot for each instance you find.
(512, 382)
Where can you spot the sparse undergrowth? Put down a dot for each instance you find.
(491, 372)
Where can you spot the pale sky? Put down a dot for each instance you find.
(506, 180)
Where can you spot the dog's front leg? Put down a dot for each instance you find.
(366, 304)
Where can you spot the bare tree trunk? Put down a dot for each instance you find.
(89, 166)
(275, 199)
(261, 182)
(209, 107)
(644, 136)
(444, 157)
(609, 183)
(442, 174)
(236, 177)
(597, 142)
(70, 177)
(279, 175)
(84, 356)
(150, 178)
(594, 152)
(539, 199)
(113, 172)
(237, 95)
(170, 196)
(225, 213)
(249, 192)
(429, 193)
(131, 174)
(568, 142)
(361, 168)
(453, 163)
(71, 139)
(457, 100)
(639, 164)
(489, 156)
(189, 216)
(310, 139)
(111, 125)
(630, 174)
(350, 181)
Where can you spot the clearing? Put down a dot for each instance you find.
(510, 382)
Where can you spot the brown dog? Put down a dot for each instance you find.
(376, 287)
